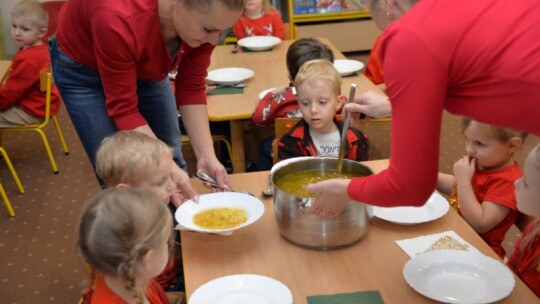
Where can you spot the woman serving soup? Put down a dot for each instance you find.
(459, 56)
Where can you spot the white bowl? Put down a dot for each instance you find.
(347, 67)
(259, 43)
(228, 76)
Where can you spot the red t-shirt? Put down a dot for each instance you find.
(461, 56)
(269, 24)
(123, 41)
(525, 263)
(102, 294)
(22, 83)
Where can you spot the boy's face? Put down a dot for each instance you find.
(158, 180)
(528, 187)
(25, 32)
(319, 104)
(489, 152)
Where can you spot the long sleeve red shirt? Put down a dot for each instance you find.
(270, 24)
(473, 58)
(123, 41)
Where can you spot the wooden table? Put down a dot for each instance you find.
(4, 68)
(374, 263)
(270, 71)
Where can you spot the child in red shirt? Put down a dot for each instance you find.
(525, 260)
(482, 187)
(259, 18)
(21, 100)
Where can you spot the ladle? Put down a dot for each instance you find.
(345, 130)
(206, 178)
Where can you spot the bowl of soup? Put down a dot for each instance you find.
(291, 200)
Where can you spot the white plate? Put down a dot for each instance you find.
(457, 276)
(185, 213)
(242, 289)
(259, 43)
(263, 93)
(229, 75)
(435, 207)
(347, 67)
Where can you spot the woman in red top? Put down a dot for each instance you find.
(111, 61)
(525, 260)
(478, 67)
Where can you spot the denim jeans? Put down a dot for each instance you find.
(83, 95)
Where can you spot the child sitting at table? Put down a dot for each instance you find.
(259, 18)
(318, 86)
(125, 237)
(21, 100)
(281, 102)
(525, 260)
(482, 187)
(131, 159)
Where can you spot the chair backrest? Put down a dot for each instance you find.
(45, 85)
(281, 126)
(52, 7)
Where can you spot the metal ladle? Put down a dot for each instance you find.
(345, 130)
(205, 178)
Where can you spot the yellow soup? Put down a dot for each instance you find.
(295, 183)
(220, 218)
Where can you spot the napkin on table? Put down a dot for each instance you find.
(361, 297)
(223, 90)
(418, 245)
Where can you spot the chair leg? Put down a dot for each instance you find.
(226, 141)
(60, 135)
(12, 170)
(6, 201)
(48, 148)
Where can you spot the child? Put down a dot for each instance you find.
(259, 18)
(131, 159)
(318, 85)
(525, 260)
(282, 102)
(124, 236)
(483, 181)
(21, 101)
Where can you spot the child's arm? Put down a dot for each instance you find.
(20, 79)
(445, 183)
(266, 111)
(482, 217)
(238, 29)
(277, 24)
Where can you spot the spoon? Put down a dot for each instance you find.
(205, 178)
(345, 130)
(268, 191)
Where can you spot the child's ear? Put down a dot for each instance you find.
(340, 102)
(43, 32)
(514, 143)
(123, 185)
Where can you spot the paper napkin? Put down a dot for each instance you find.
(418, 245)
(361, 297)
(223, 90)
(181, 227)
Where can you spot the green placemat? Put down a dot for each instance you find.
(226, 90)
(361, 297)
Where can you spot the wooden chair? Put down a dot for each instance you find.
(45, 79)
(216, 138)
(281, 126)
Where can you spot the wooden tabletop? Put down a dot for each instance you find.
(4, 68)
(374, 263)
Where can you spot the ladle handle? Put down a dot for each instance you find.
(345, 130)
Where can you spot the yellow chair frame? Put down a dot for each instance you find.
(6, 201)
(12, 170)
(45, 84)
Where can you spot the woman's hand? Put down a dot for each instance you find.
(211, 165)
(183, 184)
(371, 104)
(332, 198)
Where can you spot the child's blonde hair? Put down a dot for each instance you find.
(319, 70)
(32, 10)
(126, 156)
(501, 134)
(117, 229)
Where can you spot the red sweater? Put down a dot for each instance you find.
(102, 294)
(374, 66)
(461, 56)
(22, 84)
(269, 24)
(123, 41)
(282, 104)
(525, 263)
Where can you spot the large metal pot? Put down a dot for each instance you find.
(310, 231)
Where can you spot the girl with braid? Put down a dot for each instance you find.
(124, 236)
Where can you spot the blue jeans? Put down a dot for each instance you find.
(83, 95)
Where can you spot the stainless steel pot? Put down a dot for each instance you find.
(310, 231)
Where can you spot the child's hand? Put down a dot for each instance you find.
(464, 168)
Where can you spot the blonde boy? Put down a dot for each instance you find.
(21, 100)
(318, 86)
(136, 160)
